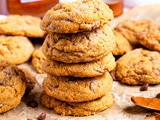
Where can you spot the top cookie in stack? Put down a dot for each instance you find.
(78, 51)
(76, 17)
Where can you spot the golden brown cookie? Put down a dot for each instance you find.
(16, 50)
(138, 67)
(21, 26)
(122, 45)
(76, 17)
(129, 29)
(80, 47)
(150, 37)
(12, 86)
(71, 89)
(77, 109)
(38, 59)
(90, 69)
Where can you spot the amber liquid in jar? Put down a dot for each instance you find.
(30, 7)
(116, 6)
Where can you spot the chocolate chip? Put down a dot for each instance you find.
(144, 87)
(113, 76)
(29, 119)
(42, 116)
(32, 103)
(158, 96)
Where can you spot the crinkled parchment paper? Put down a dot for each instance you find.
(123, 108)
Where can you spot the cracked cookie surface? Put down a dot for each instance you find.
(138, 67)
(90, 69)
(12, 86)
(76, 17)
(77, 109)
(150, 37)
(80, 47)
(73, 89)
(129, 29)
(21, 26)
(16, 50)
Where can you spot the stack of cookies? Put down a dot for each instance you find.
(78, 51)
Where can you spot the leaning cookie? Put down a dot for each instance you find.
(122, 45)
(76, 17)
(138, 67)
(38, 59)
(71, 89)
(90, 69)
(129, 29)
(15, 49)
(12, 86)
(77, 109)
(24, 25)
(150, 37)
(80, 47)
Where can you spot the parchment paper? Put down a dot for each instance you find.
(123, 108)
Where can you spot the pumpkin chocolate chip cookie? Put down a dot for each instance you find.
(76, 17)
(38, 59)
(21, 26)
(129, 29)
(90, 69)
(77, 109)
(122, 45)
(138, 67)
(80, 47)
(12, 86)
(71, 89)
(150, 37)
(16, 49)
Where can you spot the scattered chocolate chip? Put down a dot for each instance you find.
(113, 76)
(32, 103)
(42, 116)
(158, 96)
(144, 87)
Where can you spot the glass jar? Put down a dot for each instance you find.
(116, 6)
(30, 7)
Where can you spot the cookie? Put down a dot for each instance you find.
(12, 86)
(129, 29)
(71, 89)
(91, 69)
(150, 37)
(16, 50)
(76, 17)
(77, 109)
(122, 45)
(21, 26)
(38, 59)
(11, 103)
(138, 67)
(80, 47)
